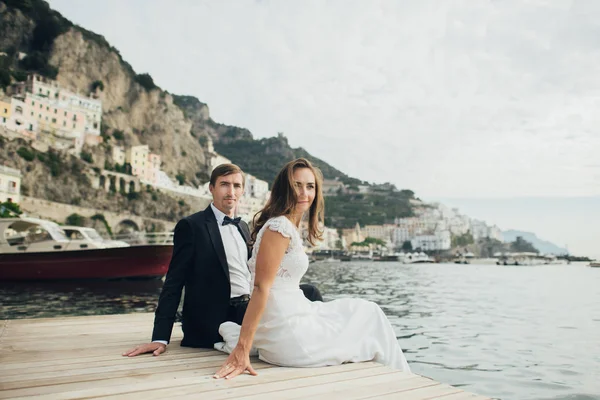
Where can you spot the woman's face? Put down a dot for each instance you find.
(304, 182)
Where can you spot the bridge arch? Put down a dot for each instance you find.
(126, 226)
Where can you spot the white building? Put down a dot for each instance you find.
(163, 181)
(330, 240)
(256, 194)
(439, 241)
(382, 232)
(247, 207)
(153, 168)
(90, 108)
(10, 184)
(478, 229)
(137, 157)
(459, 224)
(67, 120)
(400, 235)
(118, 155)
(256, 188)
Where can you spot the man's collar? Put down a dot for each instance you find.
(219, 215)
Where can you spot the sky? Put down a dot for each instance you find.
(456, 100)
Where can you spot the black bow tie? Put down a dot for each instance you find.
(228, 220)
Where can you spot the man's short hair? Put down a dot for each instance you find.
(224, 170)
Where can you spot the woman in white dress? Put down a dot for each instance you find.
(280, 323)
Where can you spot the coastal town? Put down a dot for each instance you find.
(49, 115)
(457, 256)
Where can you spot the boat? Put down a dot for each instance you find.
(484, 261)
(346, 257)
(465, 258)
(137, 238)
(418, 258)
(36, 249)
(390, 257)
(88, 238)
(357, 256)
(595, 264)
(326, 255)
(527, 259)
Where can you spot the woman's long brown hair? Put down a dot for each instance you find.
(283, 200)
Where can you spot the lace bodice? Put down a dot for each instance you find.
(295, 261)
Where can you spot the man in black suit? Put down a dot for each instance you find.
(210, 254)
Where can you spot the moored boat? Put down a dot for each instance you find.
(35, 249)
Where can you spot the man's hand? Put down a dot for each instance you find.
(237, 363)
(155, 348)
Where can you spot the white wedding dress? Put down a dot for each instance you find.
(296, 332)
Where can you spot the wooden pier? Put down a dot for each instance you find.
(80, 357)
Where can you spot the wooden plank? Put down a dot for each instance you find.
(78, 339)
(38, 333)
(18, 326)
(65, 346)
(122, 383)
(108, 328)
(60, 360)
(346, 387)
(75, 322)
(464, 396)
(435, 391)
(175, 379)
(208, 387)
(82, 319)
(133, 365)
(112, 361)
(63, 378)
(9, 355)
(80, 357)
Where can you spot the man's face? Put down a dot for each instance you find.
(226, 192)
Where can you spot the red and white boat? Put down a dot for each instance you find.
(36, 249)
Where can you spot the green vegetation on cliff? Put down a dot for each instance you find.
(522, 245)
(264, 158)
(345, 210)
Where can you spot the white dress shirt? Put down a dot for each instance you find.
(236, 253)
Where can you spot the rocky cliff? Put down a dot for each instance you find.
(175, 126)
(135, 111)
(145, 115)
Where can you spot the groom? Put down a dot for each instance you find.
(210, 254)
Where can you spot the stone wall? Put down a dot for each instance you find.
(59, 212)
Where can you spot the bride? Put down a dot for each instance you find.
(280, 323)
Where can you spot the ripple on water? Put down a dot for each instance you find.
(508, 333)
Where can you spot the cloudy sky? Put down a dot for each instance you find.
(452, 99)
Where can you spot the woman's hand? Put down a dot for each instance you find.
(237, 363)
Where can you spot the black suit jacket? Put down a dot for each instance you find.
(199, 263)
